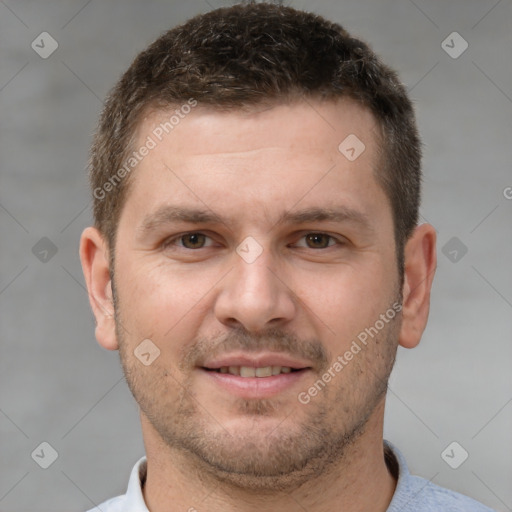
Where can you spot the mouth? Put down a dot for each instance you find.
(249, 371)
(256, 376)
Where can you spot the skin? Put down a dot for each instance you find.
(306, 297)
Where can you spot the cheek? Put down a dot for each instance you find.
(159, 302)
(344, 300)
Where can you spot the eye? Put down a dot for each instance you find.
(317, 241)
(193, 240)
(190, 241)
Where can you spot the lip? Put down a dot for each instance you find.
(255, 387)
(257, 361)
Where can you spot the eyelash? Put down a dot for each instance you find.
(175, 240)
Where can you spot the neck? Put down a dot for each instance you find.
(173, 477)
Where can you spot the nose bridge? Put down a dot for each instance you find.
(253, 296)
(255, 279)
(252, 266)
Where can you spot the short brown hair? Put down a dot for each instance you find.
(246, 55)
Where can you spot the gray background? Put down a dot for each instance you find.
(58, 386)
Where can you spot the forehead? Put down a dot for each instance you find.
(275, 157)
(301, 124)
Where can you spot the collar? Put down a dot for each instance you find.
(134, 499)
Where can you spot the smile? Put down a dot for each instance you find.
(257, 382)
(249, 371)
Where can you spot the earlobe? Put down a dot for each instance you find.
(95, 265)
(420, 264)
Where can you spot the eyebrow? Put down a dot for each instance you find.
(170, 214)
(336, 214)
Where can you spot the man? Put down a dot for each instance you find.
(256, 259)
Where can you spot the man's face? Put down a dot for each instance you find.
(250, 243)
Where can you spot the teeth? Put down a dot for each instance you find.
(266, 371)
(276, 370)
(249, 371)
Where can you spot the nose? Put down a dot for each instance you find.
(255, 296)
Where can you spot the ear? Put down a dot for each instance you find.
(420, 265)
(94, 256)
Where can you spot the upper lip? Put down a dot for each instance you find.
(255, 360)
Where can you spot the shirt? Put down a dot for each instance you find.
(412, 493)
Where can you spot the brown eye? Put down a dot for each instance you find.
(318, 240)
(193, 240)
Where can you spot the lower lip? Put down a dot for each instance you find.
(256, 387)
